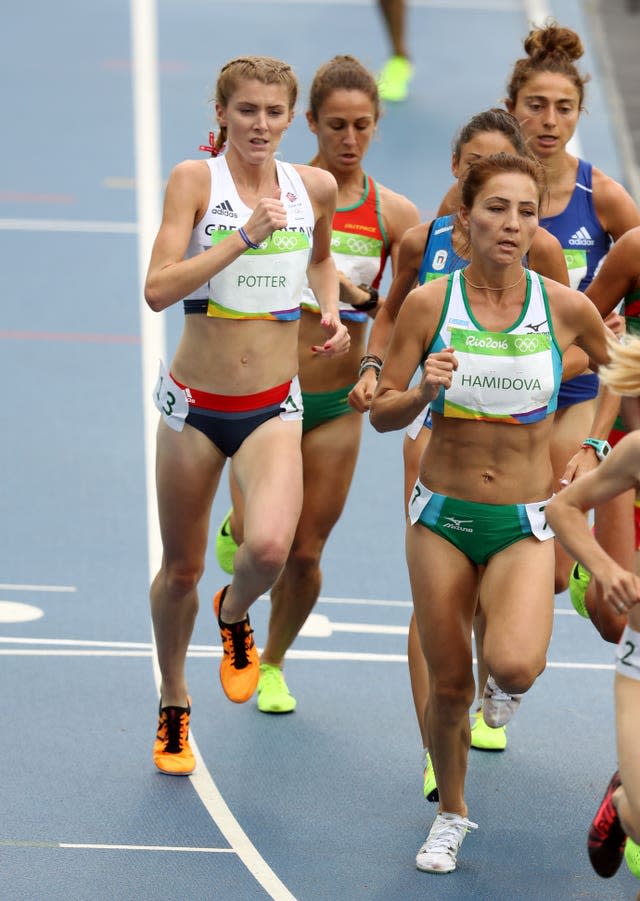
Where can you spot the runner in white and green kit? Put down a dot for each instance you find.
(477, 526)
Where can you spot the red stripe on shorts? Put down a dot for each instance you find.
(234, 403)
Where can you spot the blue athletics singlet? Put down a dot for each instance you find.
(439, 257)
(584, 241)
(585, 244)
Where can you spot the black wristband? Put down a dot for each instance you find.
(368, 304)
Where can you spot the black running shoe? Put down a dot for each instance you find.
(606, 839)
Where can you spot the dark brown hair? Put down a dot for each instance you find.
(342, 72)
(482, 170)
(549, 49)
(488, 121)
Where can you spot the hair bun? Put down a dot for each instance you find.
(553, 39)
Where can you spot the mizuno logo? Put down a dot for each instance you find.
(459, 525)
(536, 328)
(581, 238)
(224, 209)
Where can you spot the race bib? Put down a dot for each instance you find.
(538, 521)
(628, 654)
(292, 406)
(577, 267)
(170, 400)
(414, 428)
(419, 499)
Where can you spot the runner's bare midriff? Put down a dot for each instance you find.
(510, 464)
(235, 356)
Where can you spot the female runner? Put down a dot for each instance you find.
(369, 222)
(615, 830)
(585, 209)
(428, 251)
(238, 235)
(491, 338)
(617, 524)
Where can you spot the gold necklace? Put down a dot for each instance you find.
(488, 287)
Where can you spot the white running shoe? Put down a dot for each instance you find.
(497, 706)
(439, 852)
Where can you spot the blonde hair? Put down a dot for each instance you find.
(264, 69)
(622, 373)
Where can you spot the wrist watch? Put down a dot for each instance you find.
(599, 445)
(368, 304)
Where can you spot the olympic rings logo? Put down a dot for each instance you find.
(526, 345)
(356, 245)
(285, 242)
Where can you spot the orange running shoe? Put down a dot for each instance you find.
(240, 664)
(172, 753)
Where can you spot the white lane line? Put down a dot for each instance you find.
(27, 843)
(9, 586)
(76, 642)
(482, 5)
(69, 225)
(319, 656)
(119, 182)
(148, 188)
(145, 848)
(72, 648)
(364, 602)
(69, 652)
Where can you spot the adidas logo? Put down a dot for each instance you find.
(581, 238)
(224, 209)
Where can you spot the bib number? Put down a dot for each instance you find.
(292, 406)
(170, 400)
(628, 654)
(420, 497)
(540, 528)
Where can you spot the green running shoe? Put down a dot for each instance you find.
(225, 545)
(273, 694)
(393, 81)
(578, 584)
(484, 737)
(632, 857)
(430, 787)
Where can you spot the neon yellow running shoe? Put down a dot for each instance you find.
(273, 694)
(632, 857)
(484, 737)
(430, 787)
(393, 81)
(578, 584)
(225, 545)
